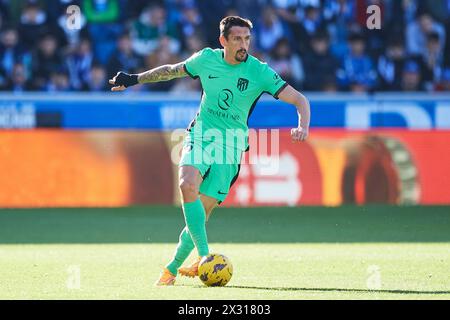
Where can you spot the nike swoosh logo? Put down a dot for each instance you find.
(212, 77)
(219, 192)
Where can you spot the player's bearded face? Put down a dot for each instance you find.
(238, 42)
(241, 54)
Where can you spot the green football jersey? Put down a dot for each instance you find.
(230, 93)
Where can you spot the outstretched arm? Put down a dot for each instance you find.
(292, 96)
(163, 73)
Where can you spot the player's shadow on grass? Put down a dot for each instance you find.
(340, 290)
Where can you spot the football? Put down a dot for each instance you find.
(215, 270)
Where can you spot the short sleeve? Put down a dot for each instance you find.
(193, 64)
(271, 81)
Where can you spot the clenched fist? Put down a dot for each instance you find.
(123, 80)
(299, 134)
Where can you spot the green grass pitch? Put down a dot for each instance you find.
(349, 252)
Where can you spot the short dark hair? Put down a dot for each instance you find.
(433, 36)
(233, 21)
(356, 36)
(320, 34)
(395, 40)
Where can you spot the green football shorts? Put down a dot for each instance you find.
(218, 164)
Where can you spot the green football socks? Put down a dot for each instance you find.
(195, 217)
(184, 248)
(193, 235)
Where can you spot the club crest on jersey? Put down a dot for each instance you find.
(242, 84)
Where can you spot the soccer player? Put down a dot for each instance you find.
(232, 82)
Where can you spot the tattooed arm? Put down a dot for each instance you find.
(163, 73)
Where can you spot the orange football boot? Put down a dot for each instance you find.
(190, 271)
(167, 278)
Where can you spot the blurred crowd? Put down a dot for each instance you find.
(316, 45)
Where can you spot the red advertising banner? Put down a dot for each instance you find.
(44, 168)
(291, 176)
(60, 168)
(337, 166)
